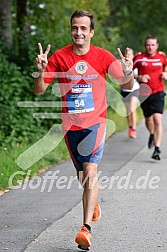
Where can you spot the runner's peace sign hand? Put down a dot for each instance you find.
(41, 60)
(127, 64)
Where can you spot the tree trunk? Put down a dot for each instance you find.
(6, 23)
(23, 30)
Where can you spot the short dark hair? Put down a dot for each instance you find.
(150, 37)
(84, 13)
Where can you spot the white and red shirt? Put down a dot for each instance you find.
(82, 82)
(153, 66)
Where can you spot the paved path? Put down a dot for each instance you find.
(133, 202)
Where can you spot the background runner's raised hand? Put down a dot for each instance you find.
(41, 60)
(127, 63)
(164, 75)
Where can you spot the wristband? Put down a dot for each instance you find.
(128, 73)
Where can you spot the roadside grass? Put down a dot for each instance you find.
(10, 169)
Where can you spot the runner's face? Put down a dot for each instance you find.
(80, 31)
(151, 46)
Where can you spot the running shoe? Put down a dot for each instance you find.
(151, 141)
(132, 133)
(97, 213)
(83, 239)
(156, 154)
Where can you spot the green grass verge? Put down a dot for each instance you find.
(9, 167)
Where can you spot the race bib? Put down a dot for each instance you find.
(81, 99)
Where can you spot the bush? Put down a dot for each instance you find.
(17, 125)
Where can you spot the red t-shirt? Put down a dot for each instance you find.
(82, 82)
(153, 66)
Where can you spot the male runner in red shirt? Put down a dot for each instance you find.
(81, 72)
(152, 70)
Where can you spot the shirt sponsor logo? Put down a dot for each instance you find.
(81, 67)
(82, 77)
(157, 64)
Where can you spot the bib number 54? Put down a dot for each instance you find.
(79, 103)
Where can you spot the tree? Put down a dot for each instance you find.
(23, 28)
(6, 23)
(137, 19)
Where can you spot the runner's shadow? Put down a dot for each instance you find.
(64, 250)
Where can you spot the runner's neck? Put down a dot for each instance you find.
(81, 50)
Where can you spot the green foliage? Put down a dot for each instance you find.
(138, 19)
(17, 124)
